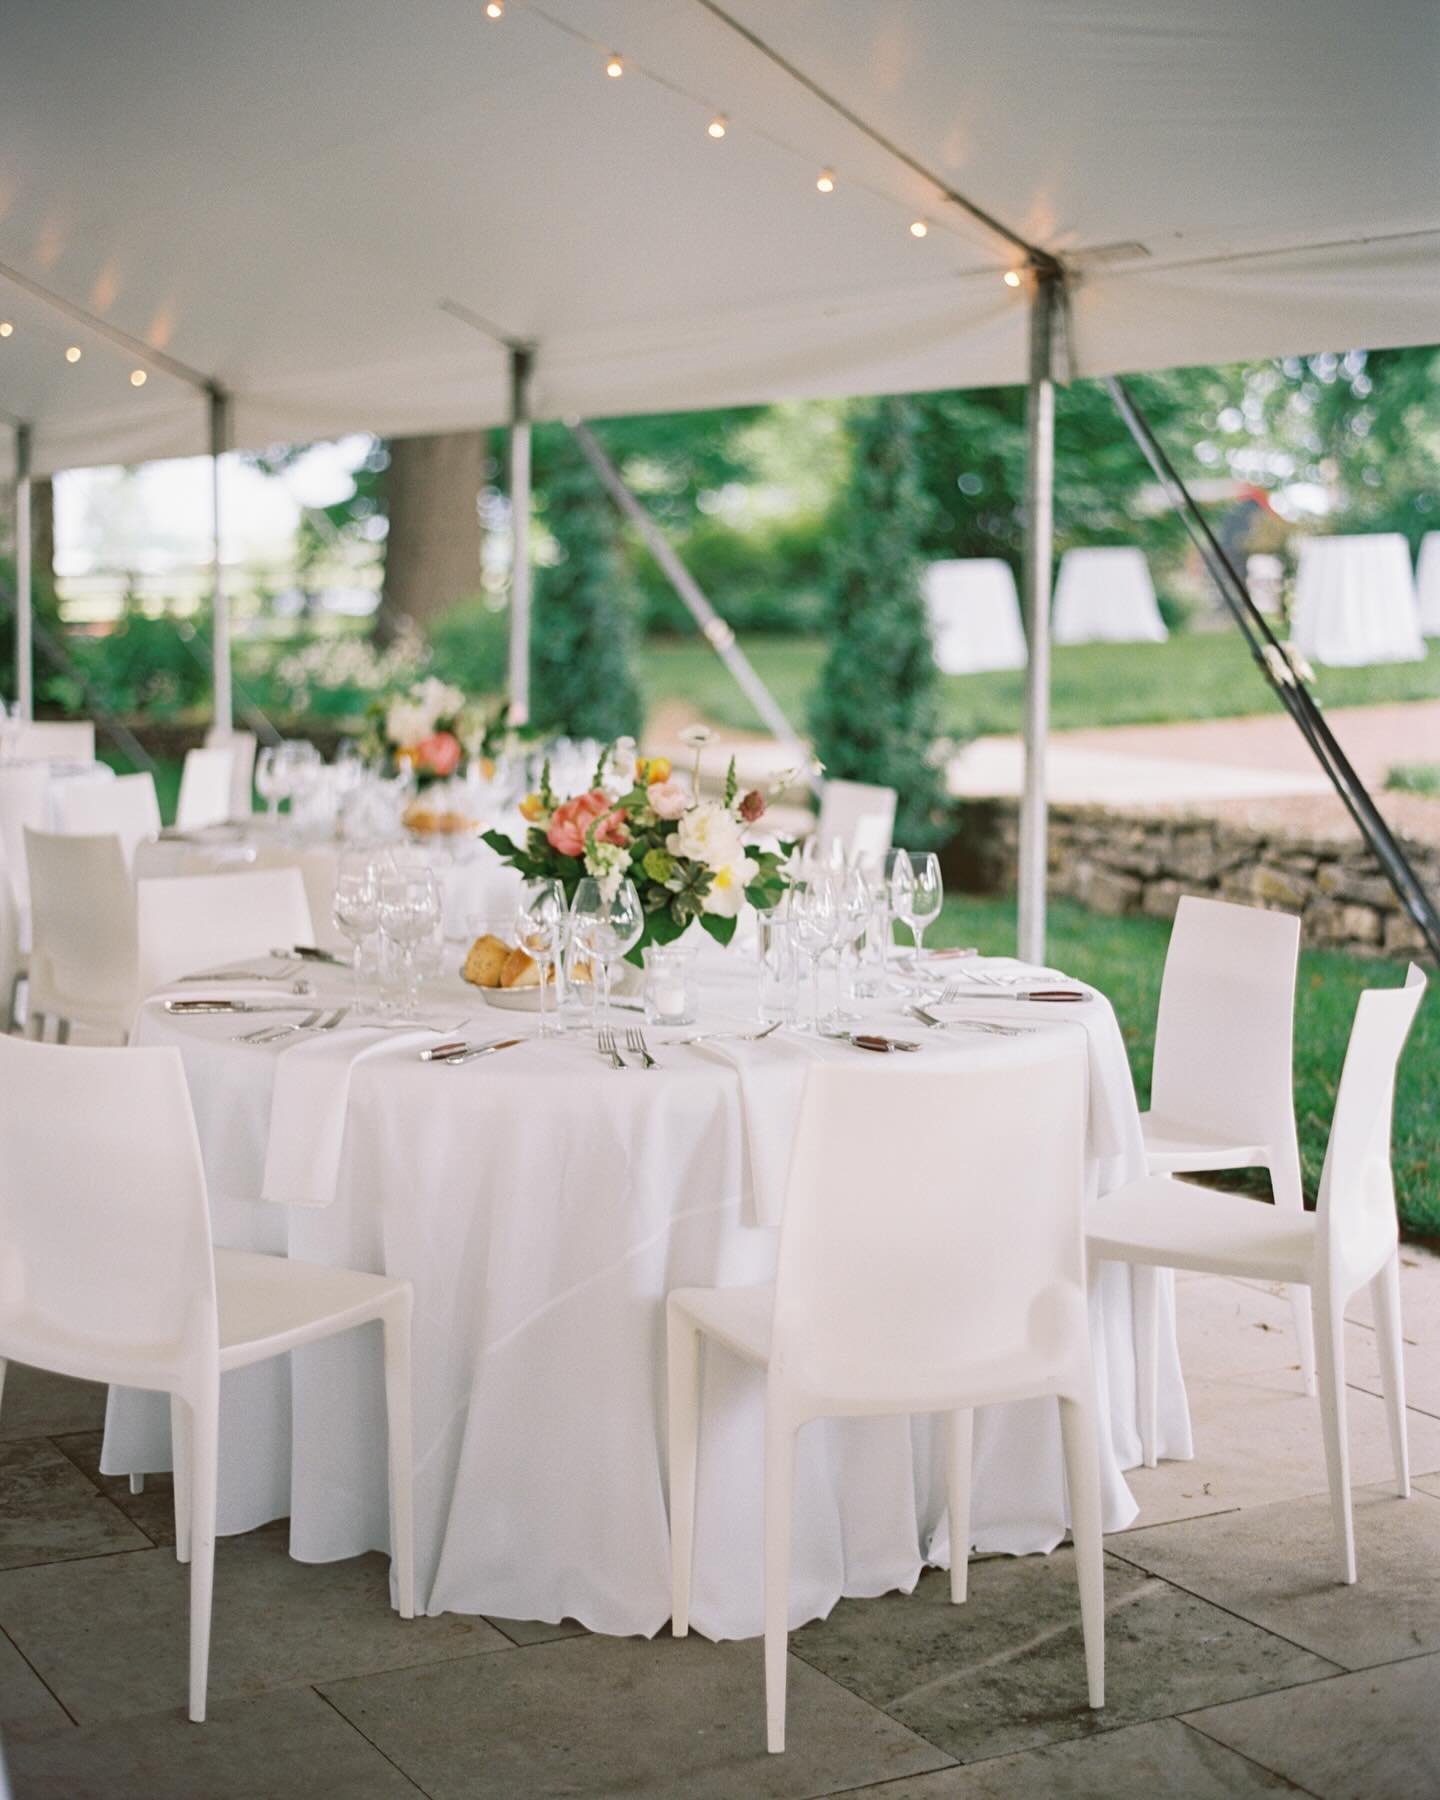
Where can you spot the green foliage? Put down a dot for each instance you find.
(765, 577)
(151, 667)
(470, 646)
(584, 640)
(874, 715)
(1414, 778)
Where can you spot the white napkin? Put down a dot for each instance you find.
(308, 1108)
(772, 1078)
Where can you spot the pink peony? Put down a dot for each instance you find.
(669, 799)
(752, 807)
(439, 753)
(571, 820)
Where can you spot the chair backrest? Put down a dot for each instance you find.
(24, 801)
(241, 745)
(954, 1235)
(82, 927)
(1226, 1025)
(1356, 1208)
(55, 740)
(205, 788)
(191, 922)
(104, 1227)
(318, 865)
(127, 807)
(857, 816)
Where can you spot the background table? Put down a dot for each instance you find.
(1104, 595)
(543, 1205)
(1355, 601)
(974, 615)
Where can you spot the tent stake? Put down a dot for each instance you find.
(24, 581)
(223, 704)
(522, 360)
(1039, 548)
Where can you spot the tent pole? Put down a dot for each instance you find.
(522, 359)
(1039, 547)
(24, 580)
(219, 402)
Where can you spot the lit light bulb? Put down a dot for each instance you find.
(614, 65)
(825, 181)
(718, 125)
(138, 378)
(5, 328)
(494, 9)
(918, 228)
(1012, 278)
(73, 353)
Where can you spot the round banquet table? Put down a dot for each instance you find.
(543, 1204)
(1355, 601)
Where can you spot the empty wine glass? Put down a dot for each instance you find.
(853, 908)
(408, 910)
(899, 879)
(919, 900)
(606, 928)
(355, 908)
(540, 926)
(815, 911)
(272, 779)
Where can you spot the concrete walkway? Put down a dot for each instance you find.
(1236, 1666)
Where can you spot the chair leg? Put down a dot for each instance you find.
(180, 1463)
(1145, 1291)
(137, 1484)
(35, 1026)
(1385, 1295)
(400, 1436)
(204, 1453)
(682, 1351)
(960, 1428)
(3, 1366)
(1289, 1193)
(779, 1501)
(62, 1031)
(1082, 1478)
(1330, 1352)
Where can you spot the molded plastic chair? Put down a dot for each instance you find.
(1349, 1242)
(935, 1266)
(857, 816)
(1222, 1091)
(107, 1273)
(83, 955)
(241, 745)
(204, 789)
(192, 922)
(126, 806)
(55, 740)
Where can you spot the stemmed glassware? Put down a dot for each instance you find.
(853, 909)
(918, 900)
(408, 910)
(899, 878)
(272, 779)
(355, 909)
(815, 912)
(540, 921)
(606, 928)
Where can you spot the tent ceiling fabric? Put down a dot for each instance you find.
(280, 197)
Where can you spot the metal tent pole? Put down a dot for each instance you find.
(219, 402)
(24, 580)
(522, 361)
(1039, 547)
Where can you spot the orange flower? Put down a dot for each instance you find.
(658, 769)
(571, 820)
(440, 753)
(531, 807)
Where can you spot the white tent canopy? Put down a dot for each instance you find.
(306, 204)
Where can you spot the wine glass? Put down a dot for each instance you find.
(853, 908)
(272, 779)
(920, 899)
(606, 927)
(815, 910)
(355, 908)
(540, 927)
(408, 910)
(899, 878)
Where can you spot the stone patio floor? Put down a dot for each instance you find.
(1236, 1666)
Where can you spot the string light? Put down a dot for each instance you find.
(5, 328)
(138, 378)
(1012, 278)
(718, 126)
(72, 355)
(825, 181)
(494, 9)
(918, 228)
(614, 66)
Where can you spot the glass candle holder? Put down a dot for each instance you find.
(669, 990)
(779, 986)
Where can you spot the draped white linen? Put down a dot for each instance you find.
(1355, 601)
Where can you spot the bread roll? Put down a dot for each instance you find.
(520, 971)
(485, 961)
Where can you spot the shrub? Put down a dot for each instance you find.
(469, 646)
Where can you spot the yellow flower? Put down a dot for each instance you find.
(531, 807)
(657, 769)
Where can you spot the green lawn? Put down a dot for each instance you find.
(1194, 676)
(1124, 958)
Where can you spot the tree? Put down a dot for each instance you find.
(432, 553)
(583, 642)
(875, 715)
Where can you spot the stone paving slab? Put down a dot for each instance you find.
(151, 1511)
(23, 1695)
(608, 1716)
(268, 1747)
(50, 1513)
(1274, 1565)
(1369, 1736)
(1163, 1760)
(1006, 1671)
(38, 1404)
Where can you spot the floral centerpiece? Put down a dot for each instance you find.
(420, 730)
(638, 821)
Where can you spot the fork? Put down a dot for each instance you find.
(739, 1037)
(605, 1044)
(928, 1018)
(268, 1033)
(636, 1045)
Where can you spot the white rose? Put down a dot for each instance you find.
(406, 722)
(709, 834)
(727, 890)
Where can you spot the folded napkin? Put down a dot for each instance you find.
(309, 1105)
(772, 1080)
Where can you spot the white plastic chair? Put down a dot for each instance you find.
(107, 1274)
(935, 1266)
(204, 788)
(1349, 1242)
(55, 740)
(1222, 1089)
(857, 816)
(83, 955)
(127, 806)
(192, 922)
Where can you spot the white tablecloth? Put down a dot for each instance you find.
(1427, 584)
(974, 615)
(543, 1205)
(1355, 601)
(1105, 595)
